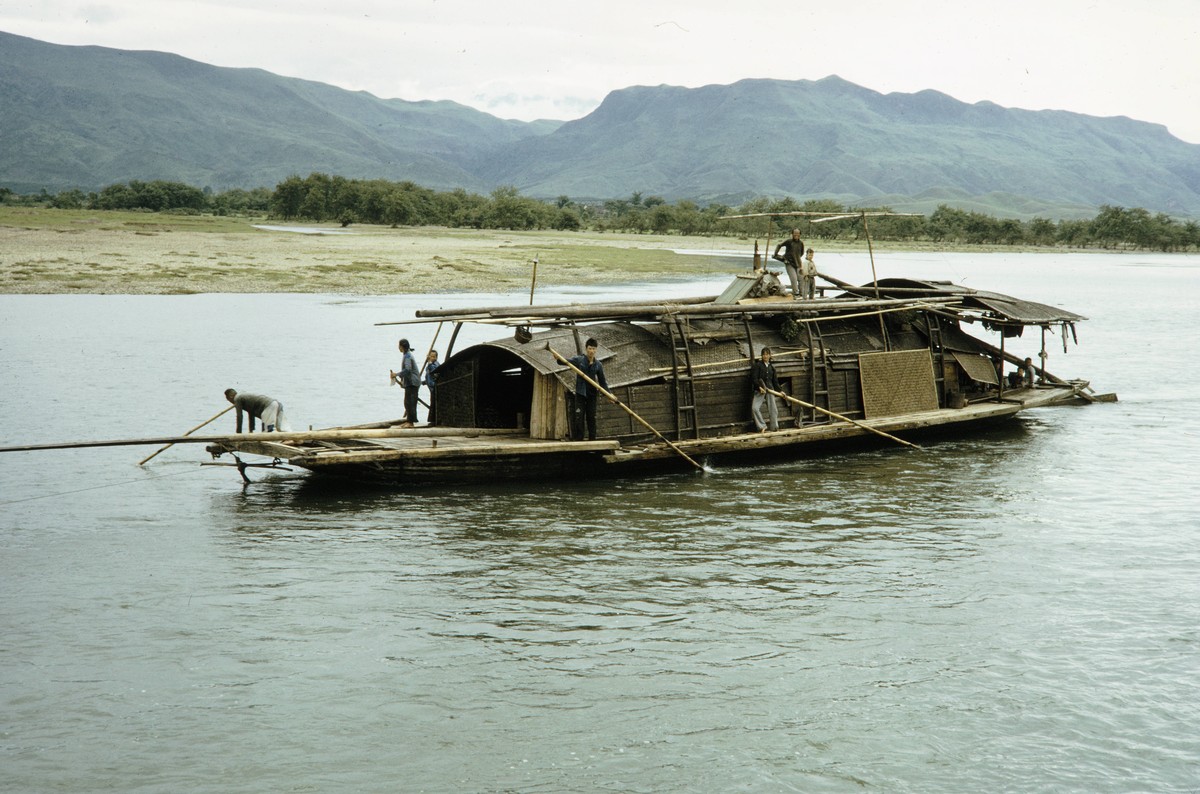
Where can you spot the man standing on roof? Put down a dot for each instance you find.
(259, 406)
(582, 402)
(793, 255)
(808, 276)
(762, 378)
(410, 378)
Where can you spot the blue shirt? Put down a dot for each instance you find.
(595, 371)
(410, 376)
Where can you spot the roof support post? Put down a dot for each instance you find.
(1000, 368)
(1043, 356)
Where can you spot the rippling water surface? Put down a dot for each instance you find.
(1019, 610)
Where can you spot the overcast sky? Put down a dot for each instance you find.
(559, 58)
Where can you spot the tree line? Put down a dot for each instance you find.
(323, 198)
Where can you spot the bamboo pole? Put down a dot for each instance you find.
(293, 437)
(887, 343)
(731, 361)
(789, 398)
(531, 315)
(226, 410)
(431, 347)
(433, 314)
(624, 407)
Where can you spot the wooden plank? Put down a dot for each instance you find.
(333, 458)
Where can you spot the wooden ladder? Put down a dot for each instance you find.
(938, 352)
(818, 376)
(685, 386)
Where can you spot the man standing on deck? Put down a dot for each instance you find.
(762, 378)
(430, 380)
(410, 378)
(793, 255)
(582, 403)
(259, 406)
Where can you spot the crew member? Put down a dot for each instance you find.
(583, 400)
(259, 406)
(410, 378)
(793, 255)
(762, 378)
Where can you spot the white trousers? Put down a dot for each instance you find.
(273, 418)
(756, 406)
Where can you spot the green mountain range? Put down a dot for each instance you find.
(833, 139)
(87, 117)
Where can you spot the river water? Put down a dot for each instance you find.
(1015, 611)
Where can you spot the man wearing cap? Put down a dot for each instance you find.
(410, 378)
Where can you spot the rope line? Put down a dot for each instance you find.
(94, 488)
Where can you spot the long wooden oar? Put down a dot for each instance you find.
(288, 438)
(624, 407)
(789, 398)
(229, 408)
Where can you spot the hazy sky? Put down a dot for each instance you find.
(558, 58)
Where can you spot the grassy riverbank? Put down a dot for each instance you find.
(63, 251)
(111, 252)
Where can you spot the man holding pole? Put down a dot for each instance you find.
(765, 383)
(410, 378)
(582, 402)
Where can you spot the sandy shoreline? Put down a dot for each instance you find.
(98, 254)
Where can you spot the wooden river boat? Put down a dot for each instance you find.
(886, 362)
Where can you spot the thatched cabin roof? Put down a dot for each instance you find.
(637, 352)
(626, 350)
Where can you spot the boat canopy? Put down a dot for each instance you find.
(626, 350)
(1003, 308)
(636, 353)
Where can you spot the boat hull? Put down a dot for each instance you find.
(421, 463)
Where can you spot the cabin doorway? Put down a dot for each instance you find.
(503, 390)
(492, 388)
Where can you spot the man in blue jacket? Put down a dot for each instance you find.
(583, 400)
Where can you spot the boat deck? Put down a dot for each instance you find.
(469, 454)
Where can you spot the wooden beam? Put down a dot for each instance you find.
(541, 315)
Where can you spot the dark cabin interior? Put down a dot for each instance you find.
(503, 377)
